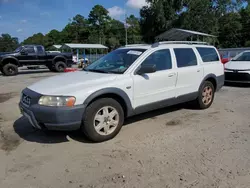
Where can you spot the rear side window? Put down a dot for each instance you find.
(185, 57)
(208, 54)
(39, 49)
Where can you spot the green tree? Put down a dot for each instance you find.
(53, 37)
(38, 38)
(116, 30)
(134, 30)
(230, 30)
(245, 21)
(8, 43)
(98, 20)
(158, 17)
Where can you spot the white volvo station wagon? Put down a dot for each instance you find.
(127, 81)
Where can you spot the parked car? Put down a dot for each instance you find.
(33, 55)
(127, 81)
(238, 69)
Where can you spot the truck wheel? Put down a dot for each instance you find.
(206, 95)
(103, 119)
(60, 66)
(10, 69)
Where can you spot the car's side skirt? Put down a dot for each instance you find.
(165, 103)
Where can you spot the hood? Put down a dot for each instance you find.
(238, 65)
(67, 83)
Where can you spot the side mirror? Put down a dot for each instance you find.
(150, 68)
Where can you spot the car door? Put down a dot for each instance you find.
(41, 55)
(28, 56)
(190, 73)
(158, 86)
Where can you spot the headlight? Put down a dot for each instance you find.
(57, 101)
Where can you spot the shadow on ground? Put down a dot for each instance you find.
(24, 129)
(27, 71)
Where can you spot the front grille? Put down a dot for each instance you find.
(237, 76)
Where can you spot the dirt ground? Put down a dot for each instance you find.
(167, 148)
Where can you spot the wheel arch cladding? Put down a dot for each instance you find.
(114, 93)
(212, 78)
(11, 60)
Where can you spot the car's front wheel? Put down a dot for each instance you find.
(206, 95)
(103, 120)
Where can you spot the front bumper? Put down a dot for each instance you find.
(237, 77)
(51, 118)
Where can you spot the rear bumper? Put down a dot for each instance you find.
(69, 62)
(53, 118)
(220, 82)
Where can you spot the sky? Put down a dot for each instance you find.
(23, 18)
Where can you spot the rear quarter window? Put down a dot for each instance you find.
(208, 54)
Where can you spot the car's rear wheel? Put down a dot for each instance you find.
(60, 66)
(103, 120)
(10, 69)
(206, 95)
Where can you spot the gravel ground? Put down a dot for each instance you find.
(167, 148)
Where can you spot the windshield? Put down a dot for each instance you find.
(18, 49)
(117, 61)
(245, 56)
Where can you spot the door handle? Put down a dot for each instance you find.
(198, 70)
(171, 75)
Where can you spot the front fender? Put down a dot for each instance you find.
(59, 57)
(115, 91)
(9, 57)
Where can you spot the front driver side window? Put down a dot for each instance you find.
(161, 59)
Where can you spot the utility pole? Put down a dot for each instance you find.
(126, 26)
(126, 29)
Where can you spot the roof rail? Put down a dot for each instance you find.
(131, 45)
(179, 42)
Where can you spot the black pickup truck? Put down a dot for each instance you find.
(28, 55)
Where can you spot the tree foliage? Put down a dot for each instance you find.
(227, 19)
(8, 43)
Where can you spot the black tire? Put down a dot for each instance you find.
(88, 126)
(199, 101)
(60, 66)
(10, 69)
(1, 70)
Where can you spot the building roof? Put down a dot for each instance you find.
(85, 46)
(57, 46)
(180, 34)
